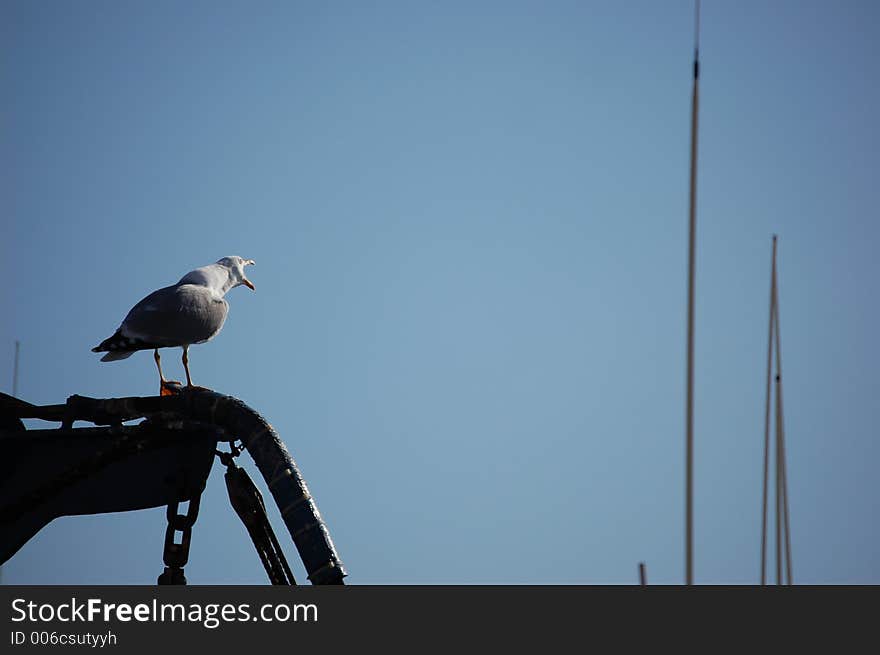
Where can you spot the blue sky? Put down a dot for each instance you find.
(469, 221)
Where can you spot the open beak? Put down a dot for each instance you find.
(248, 283)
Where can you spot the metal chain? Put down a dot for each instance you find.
(247, 501)
(177, 554)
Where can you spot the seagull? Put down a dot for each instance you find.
(191, 311)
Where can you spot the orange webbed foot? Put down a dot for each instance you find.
(169, 388)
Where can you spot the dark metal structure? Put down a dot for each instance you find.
(163, 460)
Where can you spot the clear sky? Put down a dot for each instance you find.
(470, 227)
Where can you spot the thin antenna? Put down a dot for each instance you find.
(689, 446)
(14, 395)
(643, 577)
(772, 315)
(15, 370)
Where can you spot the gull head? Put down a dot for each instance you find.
(235, 265)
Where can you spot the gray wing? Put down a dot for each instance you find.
(175, 316)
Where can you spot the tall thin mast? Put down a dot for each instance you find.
(782, 484)
(783, 526)
(689, 463)
(772, 315)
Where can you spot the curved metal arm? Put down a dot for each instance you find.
(279, 470)
(298, 508)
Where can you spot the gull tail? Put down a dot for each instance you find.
(117, 347)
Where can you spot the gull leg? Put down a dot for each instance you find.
(166, 387)
(189, 381)
(159, 366)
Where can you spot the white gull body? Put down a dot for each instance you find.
(191, 311)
